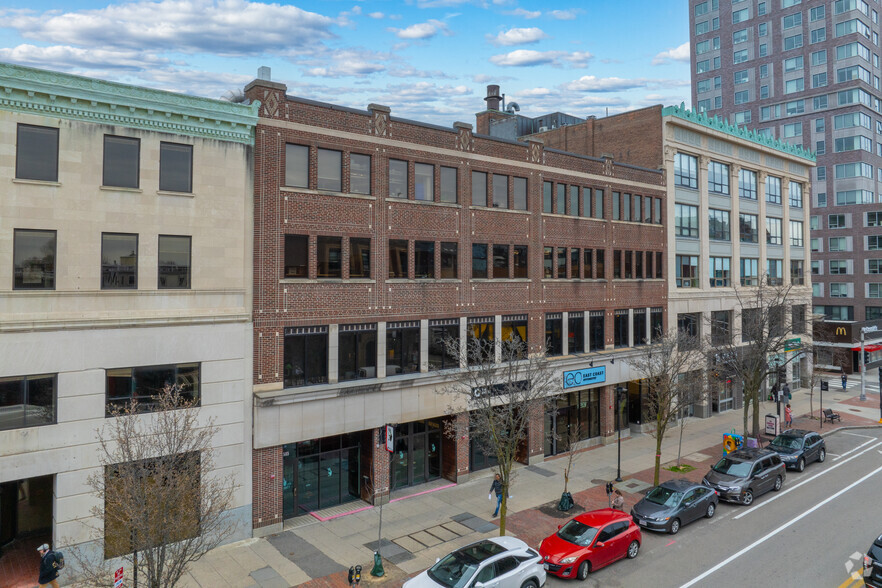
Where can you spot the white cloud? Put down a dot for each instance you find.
(73, 58)
(528, 14)
(424, 30)
(595, 84)
(680, 53)
(376, 15)
(518, 37)
(529, 58)
(565, 14)
(579, 58)
(222, 27)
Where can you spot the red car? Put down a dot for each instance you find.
(589, 542)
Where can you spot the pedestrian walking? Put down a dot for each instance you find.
(496, 487)
(788, 416)
(844, 380)
(787, 391)
(618, 502)
(48, 567)
(773, 393)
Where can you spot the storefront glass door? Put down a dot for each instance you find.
(417, 456)
(313, 479)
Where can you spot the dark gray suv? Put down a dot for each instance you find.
(745, 474)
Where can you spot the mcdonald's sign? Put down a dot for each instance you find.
(840, 331)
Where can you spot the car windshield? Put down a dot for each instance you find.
(454, 570)
(578, 533)
(787, 442)
(739, 469)
(664, 496)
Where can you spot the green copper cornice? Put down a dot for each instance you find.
(719, 124)
(48, 93)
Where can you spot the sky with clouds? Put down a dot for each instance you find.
(429, 60)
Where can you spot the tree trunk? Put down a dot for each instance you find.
(659, 436)
(745, 408)
(756, 415)
(680, 444)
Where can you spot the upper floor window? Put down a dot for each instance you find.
(424, 181)
(718, 225)
(144, 384)
(479, 188)
(174, 261)
(747, 184)
(686, 170)
(397, 178)
(795, 190)
(718, 177)
(175, 167)
(297, 166)
(685, 220)
(121, 161)
(330, 170)
(36, 153)
(519, 193)
(747, 228)
(773, 190)
(773, 231)
(119, 261)
(305, 356)
(33, 255)
(27, 401)
(500, 191)
(360, 173)
(449, 188)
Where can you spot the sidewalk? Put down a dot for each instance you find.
(429, 524)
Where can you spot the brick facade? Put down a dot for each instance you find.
(266, 483)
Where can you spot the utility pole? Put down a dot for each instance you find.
(619, 394)
(864, 331)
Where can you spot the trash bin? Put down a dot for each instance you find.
(773, 424)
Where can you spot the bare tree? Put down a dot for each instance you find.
(573, 436)
(502, 389)
(673, 368)
(755, 346)
(161, 506)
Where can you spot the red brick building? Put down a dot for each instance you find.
(376, 236)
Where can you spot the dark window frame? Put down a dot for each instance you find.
(182, 286)
(104, 285)
(119, 153)
(169, 147)
(49, 282)
(149, 373)
(9, 382)
(19, 173)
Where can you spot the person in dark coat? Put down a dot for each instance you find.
(496, 487)
(48, 567)
(844, 381)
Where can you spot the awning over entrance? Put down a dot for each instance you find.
(868, 348)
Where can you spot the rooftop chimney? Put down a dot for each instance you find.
(264, 73)
(493, 98)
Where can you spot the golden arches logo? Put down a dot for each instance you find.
(840, 331)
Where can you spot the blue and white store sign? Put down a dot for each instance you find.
(584, 377)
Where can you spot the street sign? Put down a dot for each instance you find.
(118, 578)
(825, 385)
(390, 441)
(792, 344)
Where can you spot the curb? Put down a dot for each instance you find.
(851, 428)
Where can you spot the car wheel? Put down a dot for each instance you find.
(584, 568)
(633, 549)
(747, 498)
(675, 526)
(711, 509)
(800, 465)
(822, 455)
(779, 482)
(530, 584)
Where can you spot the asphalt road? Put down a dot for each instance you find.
(813, 532)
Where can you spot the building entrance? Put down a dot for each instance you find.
(417, 456)
(320, 473)
(25, 511)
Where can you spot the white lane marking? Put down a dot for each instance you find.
(856, 435)
(856, 448)
(806, 481)
(789, 523)
(833, 454)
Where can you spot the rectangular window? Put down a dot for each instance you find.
(296, 256)
(144, 384)
(360, 173)
(424, 259)
(793, 86)
(34, 259)
(175, 167)
(818, 35)
(747, 184)
(793, 64)
(443, 344)
(874, 219)
(587, 262)
(574, 264)
(838, 267)
(854, 197)
(748, 229)
(548, 262)
(449, 260)
(297, 166)
(449, 187)
(773, 231)
(587, 209)
(547, 199)
(520, 262)
(793, 42)
(424, 182)
(500, 191)
(500, 262)
(817, 13)
(796, 233)
(773, 190)
(574, 201)
(519, 193)
(839, 290)
(775, 271)
(749, 271)
(359, 257)
(620, 328)
(836, 221)
(685, 220)
(27, 401)
(560, 202)
(561, 263)
(121, 161)
(479, 260)
(329, 257)
(119, 261)
(402, 348)
(819, 57)
(688, 324)
(554, 334)
(687, 271)
(874, 242)
(598, 204)
(397, 178)
(357, 349)
(36, 153)
(686, 170)
(791, 20)
(740, 56)
(741, 77)
(721, 327)
(739, 36)
(718, 225)
(795, 194)
(398, 259)
(718, 177)
(740, 15)
(576, 332)
(306, 356)
(720, 272)
(330, 170)
(797, 272)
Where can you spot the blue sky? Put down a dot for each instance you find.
(429, 60)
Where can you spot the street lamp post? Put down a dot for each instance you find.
(864, 331)
(620, 392)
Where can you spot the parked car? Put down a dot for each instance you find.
(500, 562)
(589, 542)
(873, 565)
(672, 504)
(797, 447)
(745, 474)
